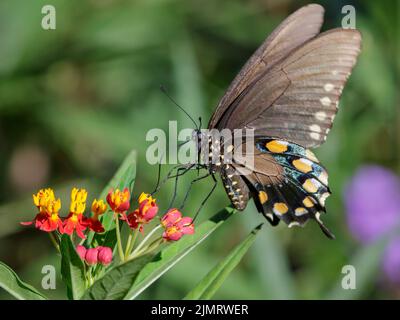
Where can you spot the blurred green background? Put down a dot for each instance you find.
(74, 101)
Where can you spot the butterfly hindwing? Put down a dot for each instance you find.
(285, 182)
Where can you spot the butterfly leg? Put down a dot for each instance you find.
(170, 176)
(157, 187)
(207, 197)
(190, 187)
(179, 172)
(158, 178)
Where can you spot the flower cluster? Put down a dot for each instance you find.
(48, 219)
(93, 256)
(175, 225)
(119, 201)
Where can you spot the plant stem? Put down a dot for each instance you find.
(119, 243)
(82, 242)
(54, 241)
(131, 242)
(140, 246)
(146, 249)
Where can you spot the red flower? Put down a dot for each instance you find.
(93, 223)
(119, 200)
(185, 225)
(172, 234)
(175, 225)
(131, 219)
(47, 219)
(75, 220)
(148, 209)
(171, 217)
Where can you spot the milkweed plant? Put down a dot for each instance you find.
(97, 262)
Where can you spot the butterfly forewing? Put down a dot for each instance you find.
(295, 30)
(297, 99)
(317, 73)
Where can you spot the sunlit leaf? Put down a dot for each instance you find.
(10, 282)
(207, 287)
(174, 252)
(117, 281)
(72, 268)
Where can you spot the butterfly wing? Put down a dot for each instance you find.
(288, 92)
(287, 182)
(298, 98)
(295, 30)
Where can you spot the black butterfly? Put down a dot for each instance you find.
(288, 92)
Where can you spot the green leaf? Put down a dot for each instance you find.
(174, 252)
(272, 265)
(117, 281)
(72, 269)
(10, 282)
(207, 287)
(366, 263)
(124, 177)
(106, 239)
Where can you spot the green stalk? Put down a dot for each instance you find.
(146, 249)
(54, 241)
(119, 242)
(131, 242)
(140, 246)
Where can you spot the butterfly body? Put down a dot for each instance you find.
(287, 94)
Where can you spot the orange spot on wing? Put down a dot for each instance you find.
(263, 196)
(302, 165)
(276, 146)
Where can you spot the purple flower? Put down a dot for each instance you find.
(391, 261)
(372, 201)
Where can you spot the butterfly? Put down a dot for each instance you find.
(288, 94)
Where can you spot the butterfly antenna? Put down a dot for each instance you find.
(162, 88)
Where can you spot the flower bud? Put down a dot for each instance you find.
(105, 255)
(81, 251)
(91, 256)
